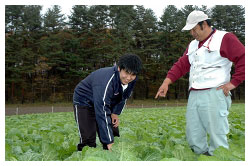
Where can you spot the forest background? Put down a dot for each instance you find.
(46, 55)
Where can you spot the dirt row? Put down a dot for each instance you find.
(32, 110)
(46, 109)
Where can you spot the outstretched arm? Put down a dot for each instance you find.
(163, 88)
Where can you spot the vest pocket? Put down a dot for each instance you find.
(212, 57)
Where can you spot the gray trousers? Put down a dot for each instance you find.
(207, 112)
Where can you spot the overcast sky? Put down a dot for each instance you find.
(158, 9)
(156, 5)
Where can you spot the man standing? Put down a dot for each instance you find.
(208, 59)
(101, 97)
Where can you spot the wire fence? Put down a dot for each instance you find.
(21, 110)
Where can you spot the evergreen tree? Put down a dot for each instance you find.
(81, 43)
(101, 50)
(21, 46)
(52, 62)
(121, 24)
(230, 18)
(79, 20)
(13, 22)
(13, 18)
(53, 19)
(145, 46)
(32, 20)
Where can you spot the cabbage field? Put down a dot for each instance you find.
(147, 134)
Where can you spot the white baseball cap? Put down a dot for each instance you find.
(194, 18)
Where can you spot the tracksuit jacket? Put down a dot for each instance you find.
(102, 90)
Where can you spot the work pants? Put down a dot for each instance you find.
(207, 112)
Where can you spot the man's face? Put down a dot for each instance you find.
(126, 77)
(198, 33)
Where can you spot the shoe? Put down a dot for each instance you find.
(105, 147)
(80, 146)
(207, 154)
(92, 145)
(116, 131)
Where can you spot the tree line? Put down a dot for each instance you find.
(46, 55)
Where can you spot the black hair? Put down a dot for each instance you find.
(208, 23)
(130, 63)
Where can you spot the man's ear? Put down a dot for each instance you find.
(205, 24)
(119, 69)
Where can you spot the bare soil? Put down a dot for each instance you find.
(21, 110)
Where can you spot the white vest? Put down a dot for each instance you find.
(208, 68)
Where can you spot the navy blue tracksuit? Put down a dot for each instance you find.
(100, 93)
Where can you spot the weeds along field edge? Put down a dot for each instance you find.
(147, 134)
